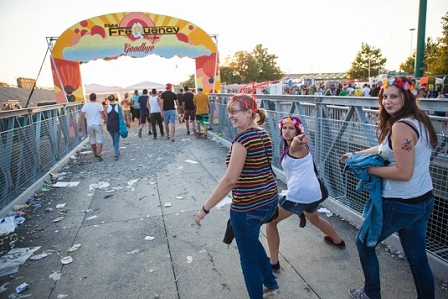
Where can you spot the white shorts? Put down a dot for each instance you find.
(95, 134)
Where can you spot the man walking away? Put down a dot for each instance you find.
(169, 111)
(93, 110)
(202, 104)
(189, 110)
(144, 112)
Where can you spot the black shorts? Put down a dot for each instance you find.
(144, 117)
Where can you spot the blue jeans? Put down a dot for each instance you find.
(115, 141)
(254, 261)
(410, 221)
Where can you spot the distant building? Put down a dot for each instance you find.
(313, 78)
(25, 83)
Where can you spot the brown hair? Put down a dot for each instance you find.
(410, 108)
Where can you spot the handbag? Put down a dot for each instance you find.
(323, 190)
(123, 128)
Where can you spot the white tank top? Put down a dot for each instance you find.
(301, 180)
(153, 102)
(421, 182)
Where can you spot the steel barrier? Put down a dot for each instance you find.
(33, 140)
(337, 125)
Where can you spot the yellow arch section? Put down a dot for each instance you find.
(133, 34)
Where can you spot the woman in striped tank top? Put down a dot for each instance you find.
(254, 192)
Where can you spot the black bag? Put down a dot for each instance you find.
(229, 236)
(323, 190)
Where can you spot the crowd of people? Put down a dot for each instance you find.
(9, 106)
(156, 108)
(403, 203)
(404, 199)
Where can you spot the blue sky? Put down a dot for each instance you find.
(307, 36)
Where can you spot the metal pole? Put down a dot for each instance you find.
(420, 53)
(50, 46)
(215, 36)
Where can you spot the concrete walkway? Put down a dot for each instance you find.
(138, 239)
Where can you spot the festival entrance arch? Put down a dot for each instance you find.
(133, 34)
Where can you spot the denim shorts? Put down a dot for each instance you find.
(298, 208)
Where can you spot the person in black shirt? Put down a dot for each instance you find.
(180, 107)
(169, 111)
(189, 109)
(144, 112)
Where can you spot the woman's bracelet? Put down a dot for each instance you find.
(205, 211)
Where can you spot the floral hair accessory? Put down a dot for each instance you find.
(398, 82)
(288, 120)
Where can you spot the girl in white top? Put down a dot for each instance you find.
(407, 139)
(303, 194)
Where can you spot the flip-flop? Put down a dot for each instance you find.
(329, 240)
(38, 256)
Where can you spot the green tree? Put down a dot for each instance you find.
(228, 75)
(437, 60)
(431, 65)
(409, 65)
(367, 62)
(189, 82)
(269, 71)
(245, 67)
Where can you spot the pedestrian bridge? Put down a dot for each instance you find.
(33, 140)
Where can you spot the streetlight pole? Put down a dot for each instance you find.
(369, 69)
(412, 33)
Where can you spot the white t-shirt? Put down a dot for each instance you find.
(366, 92)
(93, 111)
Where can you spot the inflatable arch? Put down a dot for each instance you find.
(134, 34)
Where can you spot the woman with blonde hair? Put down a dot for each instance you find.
(254, 192)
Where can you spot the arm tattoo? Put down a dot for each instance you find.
(407, 146)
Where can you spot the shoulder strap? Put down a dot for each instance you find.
(412, 126)
(315, 168)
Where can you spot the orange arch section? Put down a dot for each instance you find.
(133, 34)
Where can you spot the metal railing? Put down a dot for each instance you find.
(337, 125)
(33, 140)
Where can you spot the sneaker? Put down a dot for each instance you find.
(168, 137)
(188, 132)
(172, 140)
(100, 158)
(358, 294)
(155, 137)
(329, 240)
(140, 133)
(149, 133)
(116, 157)
(271, 292)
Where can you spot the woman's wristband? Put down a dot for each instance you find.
(205, 211)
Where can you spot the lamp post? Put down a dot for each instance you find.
(369, 70)
(412, 33)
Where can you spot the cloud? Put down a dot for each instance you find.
(95, 47)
